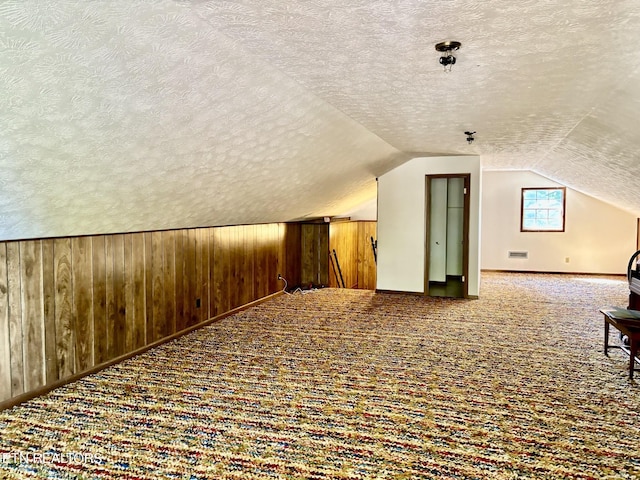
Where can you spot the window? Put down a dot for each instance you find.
(542, 210)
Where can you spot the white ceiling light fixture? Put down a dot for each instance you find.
(447, 48)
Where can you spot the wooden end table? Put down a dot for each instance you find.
(628, 323)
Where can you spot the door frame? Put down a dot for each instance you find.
(465, 228)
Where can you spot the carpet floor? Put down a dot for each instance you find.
(351, 384)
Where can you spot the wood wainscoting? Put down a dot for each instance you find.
(352, 243)
(70, 304)
(314, 255)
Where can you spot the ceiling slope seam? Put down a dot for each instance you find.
(264, 62)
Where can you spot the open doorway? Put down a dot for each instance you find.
(447, 235)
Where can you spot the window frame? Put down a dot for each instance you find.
(522, 209)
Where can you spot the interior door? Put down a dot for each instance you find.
(447, 225)
(438, 230)
(455, 226)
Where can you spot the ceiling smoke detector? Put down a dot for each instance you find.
(448, 59)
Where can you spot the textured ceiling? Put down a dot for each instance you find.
(138, 115)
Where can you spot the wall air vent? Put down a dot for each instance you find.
(518, 254)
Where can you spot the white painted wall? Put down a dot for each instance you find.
(598, 237)
(367, 210)
(402, 216)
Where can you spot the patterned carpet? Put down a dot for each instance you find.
(351, 384)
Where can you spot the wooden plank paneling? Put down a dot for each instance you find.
(334, 235)
(208, 239)
(83, 301)
(226, 268)
(349, 247)
(129, 298)
(246, 239)
(287, 263)
(203, 274)
(189, 276)
(227, 246)
(14, 286)
(260, 269)
(323, 254)
(354, 250)
(195, 277)
(139, 293)
(246, 286)
(366, 258)
(194, 281)
(65, 333)
(110, 295)
(307, 254)
(100, 346)
(49, 311)
(364, 253)
(334, 277)
(216, 273)
(212, 269)
(235, 254)
(238, 266)
(5, 343)
(352, 242)
(117, 329)
(315, 254)
(157, 263)
(282, 259)
(181, 315)
(273, 266)
(336, 240)
(259, 262)
(169, 281)
(32, 314)
(190, 293)
(148, 285)
(292, 253)
(68, 304)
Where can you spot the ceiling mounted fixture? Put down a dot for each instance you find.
(470, 138)
(447, 60)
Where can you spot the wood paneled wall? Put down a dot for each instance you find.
(352, 243)
(314, 254)
(70, 304)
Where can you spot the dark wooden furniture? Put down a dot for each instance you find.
(634, 291)
(628, 323)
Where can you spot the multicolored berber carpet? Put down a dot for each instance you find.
(351, 384)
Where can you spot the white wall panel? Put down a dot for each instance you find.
(402, 216)
(598, 237)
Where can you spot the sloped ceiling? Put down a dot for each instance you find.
(139, 115)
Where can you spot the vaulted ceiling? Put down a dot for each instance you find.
(129, 115)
